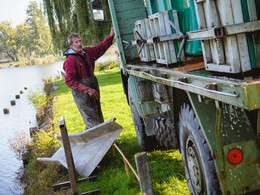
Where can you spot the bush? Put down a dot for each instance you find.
(110, 64)
(18, 144)
(38, 98)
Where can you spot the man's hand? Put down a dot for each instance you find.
(93, 93)
(112, 32)
(85, 89)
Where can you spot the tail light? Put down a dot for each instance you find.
(235, 156)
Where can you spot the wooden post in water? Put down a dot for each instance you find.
(6, 110)
(68, 154)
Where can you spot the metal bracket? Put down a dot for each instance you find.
(183, 37)
(221, 31)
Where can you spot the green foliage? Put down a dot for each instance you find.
(38, 98)
(66, 17)
(40, 177)
(40, 37)
(110, 64)
(46, 143)
(32, 38)
(8, 40)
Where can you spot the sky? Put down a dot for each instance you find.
(14, 10)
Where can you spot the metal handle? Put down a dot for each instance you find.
(127, 44)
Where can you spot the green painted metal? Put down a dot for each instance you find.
(237, 93)
(124, 14)
(143, 108)
(245, 176)
(220, 158)
(187, 19)
(118, 35)
(225, 128)
(252, 98)
(258, 124)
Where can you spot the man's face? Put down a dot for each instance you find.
(76, 44)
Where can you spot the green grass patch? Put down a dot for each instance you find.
(38, 98)
(166, 166)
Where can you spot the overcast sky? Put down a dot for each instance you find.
(14, 10)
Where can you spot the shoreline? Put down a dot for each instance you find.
(31, 62)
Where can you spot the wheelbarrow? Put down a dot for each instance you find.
(88, 147)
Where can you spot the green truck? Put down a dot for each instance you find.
(191, 73)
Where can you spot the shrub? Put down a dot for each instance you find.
(110, 64)
(18, 144)
(38, 98)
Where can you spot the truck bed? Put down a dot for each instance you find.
(194, 78)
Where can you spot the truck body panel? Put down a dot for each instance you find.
(217, 74)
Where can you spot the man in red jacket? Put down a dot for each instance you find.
(79, 68)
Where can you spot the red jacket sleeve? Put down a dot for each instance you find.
(70, 67)
(98, 50)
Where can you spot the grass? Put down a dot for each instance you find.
(166, 166)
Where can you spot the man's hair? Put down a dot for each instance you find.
(71, 36)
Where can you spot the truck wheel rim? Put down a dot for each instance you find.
(193, 164)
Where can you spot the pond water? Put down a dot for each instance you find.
(21, 116)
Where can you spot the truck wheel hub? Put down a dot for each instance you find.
(194, 166)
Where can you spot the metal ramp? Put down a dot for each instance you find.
(88, 147)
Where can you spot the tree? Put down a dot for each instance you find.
(39, 32)
(22, 40)
(68, 16)
(8, 40)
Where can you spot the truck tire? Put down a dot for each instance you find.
(146, 143)
(199, 167)
(165, 132)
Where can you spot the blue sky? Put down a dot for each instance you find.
(14, 10)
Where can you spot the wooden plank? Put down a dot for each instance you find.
(116, 2)
(68, 154)
(149, 35)
(124, 6)
(252, 10)
(164, 47)
(145, 179)
(153, 28)
(202, 25)
(230, 42)
(58, 186)
(241, 38)
(218, 68)
(189, 67)
(172, 51)
(134, 13)
(212, 20)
